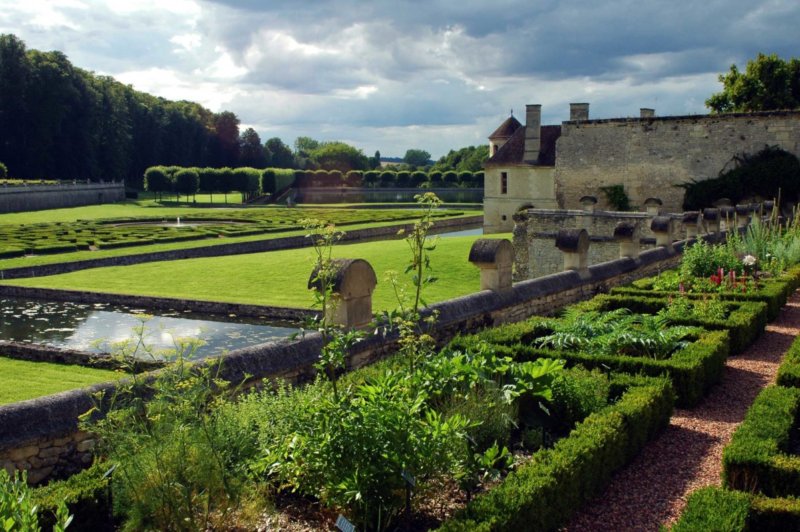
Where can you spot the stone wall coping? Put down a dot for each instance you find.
(743, 209)
(683, 118)
(59, 188)
(690, 217)
(342, 268)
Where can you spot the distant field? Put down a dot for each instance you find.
(276, 278)
(21, 380)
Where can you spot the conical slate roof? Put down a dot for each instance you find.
(506, 129)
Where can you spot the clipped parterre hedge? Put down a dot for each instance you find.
(720, 509)
(544, 492)
(758, 459)
(745, 321)
(693, 369)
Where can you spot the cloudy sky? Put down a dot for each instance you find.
(391, 75)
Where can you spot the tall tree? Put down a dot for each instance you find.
(415, 158)
(282, 156)
(251, 151)
(768, 83)
(14, 73)
(339, 156)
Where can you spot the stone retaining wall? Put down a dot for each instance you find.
(239, 248)
(42, 436)
(41, 197)
(46, 353)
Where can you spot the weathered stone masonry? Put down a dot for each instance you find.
(650, 155)
(40, 197)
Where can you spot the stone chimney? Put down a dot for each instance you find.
(646, 112)
(578, 111)
(533, 133)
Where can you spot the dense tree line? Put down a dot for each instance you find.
(58, 121)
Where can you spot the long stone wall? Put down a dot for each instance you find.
(650, 156)
(40, 197)
(535, 233)
(42, 435)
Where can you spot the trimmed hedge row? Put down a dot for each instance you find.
(544, 492)
(773, 292)
(789, 370)
(86, 494)
(716, 508)
(745, 322)
(757, 459)
(693, 370)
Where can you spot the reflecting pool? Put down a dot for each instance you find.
(100, 327)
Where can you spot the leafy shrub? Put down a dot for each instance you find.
(617, 197)
(17, 508)
(3, 171)
(577, 393)
(703, 260)
(86, 495)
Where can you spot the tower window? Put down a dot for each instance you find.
(503, 182)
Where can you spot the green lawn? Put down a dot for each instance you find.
(276, 278)
(21, 380)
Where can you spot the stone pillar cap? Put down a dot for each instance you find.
(351, 277)
(588, 200)
(572, 240)
(723, 202)
(624, 231)
(491, 251)
(653, 201)
(743, 209)
(661, 224)
(727, 211)
(711, 214)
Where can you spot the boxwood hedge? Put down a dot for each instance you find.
(716, 508)
(693, 369)
(757, 459)
(789, 370)
(544, 492)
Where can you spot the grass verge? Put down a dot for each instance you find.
(21, 379)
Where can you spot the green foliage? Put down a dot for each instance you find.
(416, 158)
(768, 83)
(179, 467)
(186, 182)
(768, 173)
(156, 180)
(789, 370)
(276, 179)
(545, 491)
(617, 332)
(702, 259)
(18, 511)
(757, 458)
(86, 495)
(339, 156)
(469, 159)
(3, 171)
(617, 197)
(713, 508)
(576, 394)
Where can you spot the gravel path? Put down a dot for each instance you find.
(688, 454)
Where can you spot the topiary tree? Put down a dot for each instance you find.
(209, 181)
(417, 178)
(354, 178)
(186, 182)
(450, 178)
(465, 178)
(403, 178)
(370, 178)
(388, 178)
(157, 181)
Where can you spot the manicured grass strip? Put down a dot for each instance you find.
(757, 459)
(278, 278)
(745, 322)
(544, 492)
(21, 380)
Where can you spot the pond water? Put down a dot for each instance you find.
(464, 232)
(97, 327)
